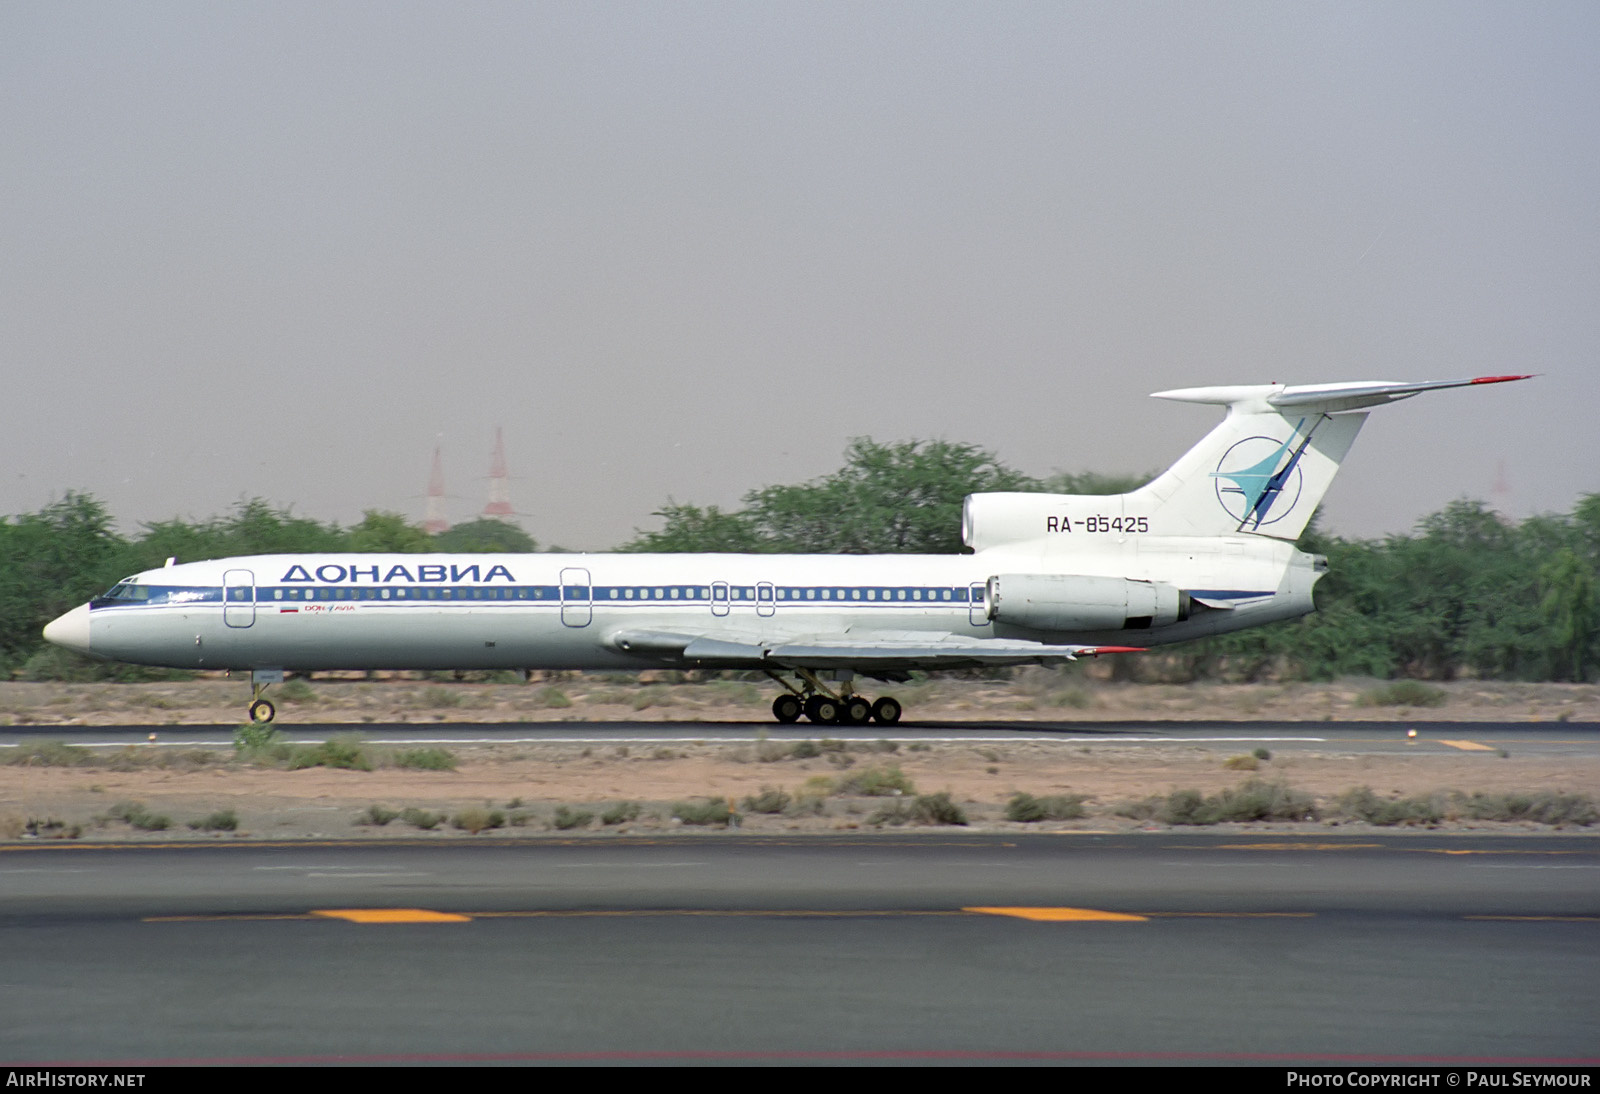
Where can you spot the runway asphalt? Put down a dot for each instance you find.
(1523, 738)
(935, 948)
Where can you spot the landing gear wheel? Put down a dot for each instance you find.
(262, 711)
(822, 710)
(855, 711)
(786, 708)
(886, 711)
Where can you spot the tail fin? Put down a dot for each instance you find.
(1261, 471)
(1265, 468)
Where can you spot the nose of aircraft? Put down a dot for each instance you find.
(71, 630)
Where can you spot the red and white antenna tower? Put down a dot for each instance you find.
(433, 517)
(499, 505)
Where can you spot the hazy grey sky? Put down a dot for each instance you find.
(689, 249)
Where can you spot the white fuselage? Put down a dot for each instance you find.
(368, 611)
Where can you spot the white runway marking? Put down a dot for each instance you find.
(318, 736)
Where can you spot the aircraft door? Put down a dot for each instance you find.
(720, 600)
(577, 597)
(766, 598)
(978, 604)
(239, 598)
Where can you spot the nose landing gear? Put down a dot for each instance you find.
(261, 710)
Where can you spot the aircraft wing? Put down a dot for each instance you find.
(869, 652)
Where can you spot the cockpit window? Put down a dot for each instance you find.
(127, 590)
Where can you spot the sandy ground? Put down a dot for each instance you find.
(527, 783)
(1077, 695)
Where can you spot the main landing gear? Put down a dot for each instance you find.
(822, 706)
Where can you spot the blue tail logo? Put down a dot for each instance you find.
(1259, 479)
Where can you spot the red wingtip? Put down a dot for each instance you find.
(1500, 379)
(1098, 650)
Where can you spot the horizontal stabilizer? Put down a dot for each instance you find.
(1322, 398)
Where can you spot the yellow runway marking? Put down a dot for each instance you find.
(422, 915)
(1061, 915)
(1495, 851)
(1468, 746)
(392, 915)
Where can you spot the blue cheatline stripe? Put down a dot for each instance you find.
(664, 595)
(811, 596)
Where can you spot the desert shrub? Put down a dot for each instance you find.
(143, 757)
(938, 809)
(769, 752)
(1362, 804)
(436, 697)
(297, 691)
(1541, 807)
(896, 812)
(1255, 800)
(1241, 763)
(136, 815)
(48, 754)
(770, 800)
(706, 811)
(1403, 693)
(566, 818)
(552, 698)
(621, 813)
(477, 820)
(734, 691)
(925, 809)
(805, 750)
(224, 820)
(376, 816)
(656, 695)
(1074, 696)
(1028, 809)
(258, 741)
(875, 782)
(345, 753)
(421, 818)
(426, 759)
(52, 663)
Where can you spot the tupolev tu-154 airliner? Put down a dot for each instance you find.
(1206, 548)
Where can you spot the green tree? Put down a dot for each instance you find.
(901, 498)
(255, 527)
(52, 561)
(1092, 482)
(381, 532)
(1571, 612)
(689, 528)
(488, 536)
